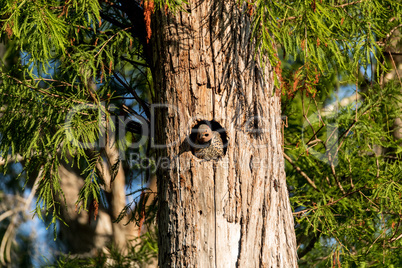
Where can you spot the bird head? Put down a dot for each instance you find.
(204, 133)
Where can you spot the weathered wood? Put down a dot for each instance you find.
(224, 213)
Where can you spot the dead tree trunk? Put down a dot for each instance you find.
(234, 212)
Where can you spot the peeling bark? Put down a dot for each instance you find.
(234, 212)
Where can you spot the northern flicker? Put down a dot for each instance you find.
(209, 144)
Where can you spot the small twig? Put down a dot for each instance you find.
(338, 6)
(318, 111)
(334, 173)
(289, 18)
(110, 38)
(53, 80)
(330, 203)
(43, 91)
(336, 238)
(395, 53)
(134, 62)
(396, 69)
(332, 133)
(303, 211)
(314, 134)
(377, 162)
(310, 181)
(308, 121)
(350, 171)
(313, 225)
(313, 143)
(357, 86)
(393, 30)
(344, 134)
(396, 238)
(396, 230)
(137, 98)
(376, 240)
(369, 200)
(329, 182)
(349, 4)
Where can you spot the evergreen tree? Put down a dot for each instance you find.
(86, 62)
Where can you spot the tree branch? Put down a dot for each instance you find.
(310, 181)
(133, 62)
(338, 6)
(43, 91)
(10, 159)
(330, 203)
(349, 4)
(135, 95)
(309, 247)
(113, 21)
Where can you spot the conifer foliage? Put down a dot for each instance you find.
(85, 68)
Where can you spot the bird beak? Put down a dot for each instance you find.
(204, 137)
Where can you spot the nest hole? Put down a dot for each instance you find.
(215, 126)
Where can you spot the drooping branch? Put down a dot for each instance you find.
(310, 181)
(43, 91)
(143, 104)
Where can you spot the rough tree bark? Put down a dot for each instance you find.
(234, 212)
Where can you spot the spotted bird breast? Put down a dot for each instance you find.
(211, 150)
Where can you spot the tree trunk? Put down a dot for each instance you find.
(85, 235)
(90, 235)
(233, 212)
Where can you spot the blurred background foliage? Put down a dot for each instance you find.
(338, 66)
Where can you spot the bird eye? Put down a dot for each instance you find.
(206, 135)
